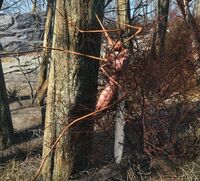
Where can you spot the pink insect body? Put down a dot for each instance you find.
(116, 59)
(115, 63)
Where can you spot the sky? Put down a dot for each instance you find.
(22, 6)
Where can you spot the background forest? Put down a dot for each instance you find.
(99, 90)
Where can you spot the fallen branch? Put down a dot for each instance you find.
(109, 171)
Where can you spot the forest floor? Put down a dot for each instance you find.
(20, 75)
(24, 114)
(21, 161)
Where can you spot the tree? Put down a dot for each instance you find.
(158, 44)
(192, 25)
(6, 128)
(1, 2)
(122, 7)
(72, 87)
(197, 8)
(34, 5)
(123, 15)
(42, 80)
(122, 11)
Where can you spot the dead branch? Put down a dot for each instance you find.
(27, 79)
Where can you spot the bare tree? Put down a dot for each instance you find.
(122, 7)
(197, 8)
(158, 44)
(72, 87)
(42, 80)
(191, 22)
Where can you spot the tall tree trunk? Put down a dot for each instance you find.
(46, 43)
(122, 7)
(42, 80)
(158, 43)
(197, 9)
(122, 11)
(1, 2)
(191, 22)
(72, 87)
(6, 127)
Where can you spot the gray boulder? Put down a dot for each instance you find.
(6, 21)
(27, 20)
(21, 31)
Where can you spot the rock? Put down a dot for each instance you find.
(20, 46)
(30, 34)
(6, 33)
(19, 31)
(6, 21)
(16, 46)
(27, 20)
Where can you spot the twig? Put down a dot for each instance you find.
(27, 79)
(10, 5)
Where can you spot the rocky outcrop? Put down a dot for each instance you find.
(19, 32)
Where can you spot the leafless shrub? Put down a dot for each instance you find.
(13, 92)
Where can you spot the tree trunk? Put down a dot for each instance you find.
(6, 127)
(122, 11)
(46, 43)
(34, 6)
(158, 44)
(120, 119)
(42, 80)
(72, 87)
(190, 21)
(1, 2)
(197, 9)
(122, 7)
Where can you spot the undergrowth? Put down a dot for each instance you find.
(20, 170)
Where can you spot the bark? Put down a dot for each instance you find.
(43, 91)
(6, 128)
(119, 131)
(46, 43)
(72, 87)
(158, 43)
(41, 95)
